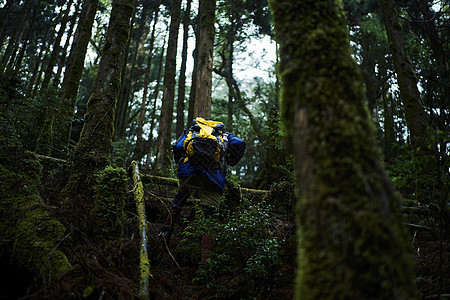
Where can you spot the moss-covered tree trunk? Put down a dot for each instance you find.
(352, 244)
(72, 75)
(165, 120)
(93, 151)
(203, 82)
(415, 114)
(30, 234)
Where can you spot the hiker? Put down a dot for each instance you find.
(203, 153)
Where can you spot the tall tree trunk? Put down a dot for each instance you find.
(206, 18)
(4, 18)
(163, 159)
(193, 80)
(63, 57)
(16, 36)
(153, 114)
(121, 119)
(37, 61)
(73, 73)
(140, 149)
(93, 151)
(351, 241)
(416, 117)
(182, 80)
(25, 44)
(389, 134)
(44, 59)
(56, 46)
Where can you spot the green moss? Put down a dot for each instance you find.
(33, 233)
(111, 190)
(351, 241)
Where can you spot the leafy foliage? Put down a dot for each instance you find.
(247, 246)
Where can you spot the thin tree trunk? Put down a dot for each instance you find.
(182, 80)
(44, 60)
(73, 73)
(56, 46)
(155, 99)
(389, 135)
(37, 62)
(122, 103)
(193, 80)
(93, 151)
(16, 36)
(18, 61)
(4, 18)
(140, 150)
(351, 240)
(206, 18)
(165, 124)
(63, 58)
(416, 117)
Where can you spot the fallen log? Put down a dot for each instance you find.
(174, 183)
(138, 190)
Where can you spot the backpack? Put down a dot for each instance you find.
(205, 144)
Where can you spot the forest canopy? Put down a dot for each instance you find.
(343, 105)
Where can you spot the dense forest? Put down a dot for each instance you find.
(342, 192)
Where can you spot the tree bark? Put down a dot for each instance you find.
(140, 147)
(351, 242)
(144, 263)
(4, 18)
(165, 124)
(182, 80)
(29, 231)
(193, 80)
(153, 114)
(63, 58)
(56, 46)
(25, 44)
(16, 36)
(73, 73)
(416, 117)
(93, 151)
(37, 61)
(122, 110)
(203, 97)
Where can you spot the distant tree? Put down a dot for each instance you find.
(165, 121)
(16, 36)
(25, 44)
(182, 79)
(141, 147)
(351, 242)
(57, 45)
(203, 82)
(93, 151)
(416, 117)
(73, 73)
(63, 56)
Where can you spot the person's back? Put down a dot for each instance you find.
(203, 153)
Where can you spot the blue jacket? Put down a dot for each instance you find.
(236, 148)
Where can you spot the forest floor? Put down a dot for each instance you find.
(109, 268)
